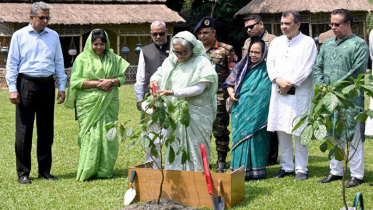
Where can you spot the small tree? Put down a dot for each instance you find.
(165, 115)
(330, 100)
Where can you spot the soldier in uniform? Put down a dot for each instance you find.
(224, 59)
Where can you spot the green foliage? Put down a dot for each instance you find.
(331, 100)
(166, 116)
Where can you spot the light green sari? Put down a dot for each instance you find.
(95, 108)
(202, 108)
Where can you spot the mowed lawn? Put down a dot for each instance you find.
(67, 193)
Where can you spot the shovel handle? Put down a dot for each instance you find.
(206, 168)
(219, 187)
(133, 174)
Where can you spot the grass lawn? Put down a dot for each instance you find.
(67, 193)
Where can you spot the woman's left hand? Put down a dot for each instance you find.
(166, 92)
(105, 85)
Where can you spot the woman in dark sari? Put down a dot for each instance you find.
(249, 89)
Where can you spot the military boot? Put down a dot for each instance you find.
(221, 165)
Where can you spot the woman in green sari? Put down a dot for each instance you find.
(187, 74)
(250, 90)
(96, 75)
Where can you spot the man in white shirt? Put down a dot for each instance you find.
(151, 57)
(289, 64)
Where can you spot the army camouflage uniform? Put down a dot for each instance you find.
(224, 58)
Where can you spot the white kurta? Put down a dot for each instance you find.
(369, 125)
(291, 60)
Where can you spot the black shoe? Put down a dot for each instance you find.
(330, 178)
(301, 176)
(354, 182)
(24, 180)
(282, 174)
(48, 177)
(220, 167)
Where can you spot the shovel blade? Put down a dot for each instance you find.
(218, 205)
(129, 196)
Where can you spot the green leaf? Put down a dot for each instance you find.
(172, 123)
(306, 135)
(154, 151)
(338, 127)
(320, 132)
(170, 106)
(338, 154)
(133, 143)
(331, 102)
(362, 116)
(328, 123)
(300, 122)
(184, 157)
(171, 155)
(110, 125)
(368, 89)
(170, 140)
(331, 154)
(346, 102)
(324, 146)
(348, 89)
(369, 113)
(111, 134)
(123, 137)
(319, 105)
(145, 141)
(129, 132)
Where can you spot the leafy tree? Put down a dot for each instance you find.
(330, 100)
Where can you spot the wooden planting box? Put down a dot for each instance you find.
(187, 187)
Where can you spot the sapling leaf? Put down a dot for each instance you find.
(338, 127)
(154, 151)
(111, 134)
(133, 143)
(320, 132)
(324, 146)
(339, 154)
(331, 102)
(300, 122)
(184, 157)
(331, 154)
(129, 132)
(170, 106)
(328, 124)
(110, 125)
(171, 155)
(369, 113)
(362, 116)
(306, 135)
(348, 89)
(172, 123)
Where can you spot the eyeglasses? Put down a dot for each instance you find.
(41, 18)
(160, 34)
(180, 53)
(254, 53)
(251, 26)
(335, 24)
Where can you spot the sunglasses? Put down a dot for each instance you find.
(160, 34)
(251, 26)
(41, 18)
(254, 53)
(335, 24)
(180, 53)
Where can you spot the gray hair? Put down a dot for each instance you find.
(157, 23)
(38, 6)
(182, 42)
(296, 15)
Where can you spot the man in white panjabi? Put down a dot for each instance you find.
(289, 65)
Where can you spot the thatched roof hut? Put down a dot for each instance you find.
(126, 21)
(315, 13)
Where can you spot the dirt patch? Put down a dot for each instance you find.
(164, 205)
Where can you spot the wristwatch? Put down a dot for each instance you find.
(112, 82)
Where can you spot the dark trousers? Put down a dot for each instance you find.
(36, 99)
(220, 127)
(273, 149)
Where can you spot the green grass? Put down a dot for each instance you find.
(67, 193)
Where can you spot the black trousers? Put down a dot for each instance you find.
(37, 97)
(273, 149)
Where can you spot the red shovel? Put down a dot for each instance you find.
(218, 203)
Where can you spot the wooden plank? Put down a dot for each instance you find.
(187, 187)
